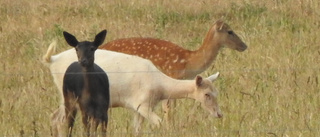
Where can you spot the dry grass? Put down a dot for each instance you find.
(272, 89)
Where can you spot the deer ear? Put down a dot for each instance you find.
(71, 40)
(199, 80)
(219, 25)
(98, 40)
(214, 77)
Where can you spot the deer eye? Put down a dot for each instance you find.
(230, 32)
(207, 95)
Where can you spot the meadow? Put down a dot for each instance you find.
(271, 89)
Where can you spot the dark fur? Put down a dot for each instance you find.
(86, 84)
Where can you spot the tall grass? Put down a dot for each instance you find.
(271, 89)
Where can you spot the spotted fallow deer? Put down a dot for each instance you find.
(176, 61)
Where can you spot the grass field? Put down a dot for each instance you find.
(271, 89)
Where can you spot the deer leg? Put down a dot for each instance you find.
(57, 120)
(137, 122)
(104, 128)
(71, 113)
(104, 124)
(87, 123)
(94, 123)
(146, 112)
(166, 107)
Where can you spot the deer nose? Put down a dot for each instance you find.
(83, 62)
(243, 47)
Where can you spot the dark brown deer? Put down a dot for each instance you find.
(85, 84)
(176, 61)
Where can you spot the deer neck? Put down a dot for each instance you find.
(175, 89)
(87, 76)
(88, 69)
(202, 58)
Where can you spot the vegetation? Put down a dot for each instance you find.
(271, 89)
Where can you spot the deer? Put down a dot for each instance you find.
(135, 84)
(86, 85)
(175, 61)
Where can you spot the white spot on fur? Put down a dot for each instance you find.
(155, 46)
(175, 61)
(182, 61)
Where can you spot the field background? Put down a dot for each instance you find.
(271, 89)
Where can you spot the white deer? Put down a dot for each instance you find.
(136, 84)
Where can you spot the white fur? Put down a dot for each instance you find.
(135, 83)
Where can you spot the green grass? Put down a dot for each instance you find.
(271, 89)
